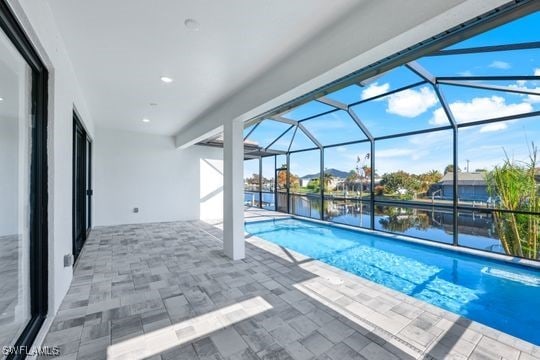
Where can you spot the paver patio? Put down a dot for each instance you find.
(166, 291)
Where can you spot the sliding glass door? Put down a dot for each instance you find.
(88, 187)
(15, 145)
(82, 152)
(23, 270)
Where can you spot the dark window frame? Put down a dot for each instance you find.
(87, 192)
(38, 179)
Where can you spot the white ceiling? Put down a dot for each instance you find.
(119, 50)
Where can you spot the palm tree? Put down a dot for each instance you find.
(328, 178)
(429, 178)
(352, 177)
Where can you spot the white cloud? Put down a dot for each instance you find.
(502, 65)
(480, 108)
(432, 139)
(439, 118)
(465, 73)
(533, 98)
(374, 90)
(411, 103)
(415, 154)
(498, 126)
(393, 153)
(522, 85)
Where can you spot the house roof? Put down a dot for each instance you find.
(464, 178)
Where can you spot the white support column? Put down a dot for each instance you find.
(233, 190)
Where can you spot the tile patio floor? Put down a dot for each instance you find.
(166, 291)
(13, 302)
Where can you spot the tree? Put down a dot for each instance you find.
(314, 185)
(401, 220)
(450, 168)
(254, 179)
(352, 176)
(294, 180)
(361, 165)
(515, 185)
(433, 175)
(429, 178)
(327, 178)
(400, 181)
(367, 171)
(252, 183)
(282, 178)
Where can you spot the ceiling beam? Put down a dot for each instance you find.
(310, 135)
(251, 131)
(284, 120)
(489, 87)
(484, 49)
(360, 124)
(410, 86)
(416, 68)
(292, 139)
(279, 137)
(445, 106)
(490, 78)
(334, 103)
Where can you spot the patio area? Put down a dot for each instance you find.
(392, 146)
(166, 291)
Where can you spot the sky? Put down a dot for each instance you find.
(418, 108)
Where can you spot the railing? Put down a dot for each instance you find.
(308, 205)
(421, 218)
(261, 199)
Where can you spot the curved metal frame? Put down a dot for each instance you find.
(489, 21)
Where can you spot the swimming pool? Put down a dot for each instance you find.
(503, 296)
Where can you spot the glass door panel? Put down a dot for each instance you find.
(15, 165)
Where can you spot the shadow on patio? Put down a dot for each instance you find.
(166, 291)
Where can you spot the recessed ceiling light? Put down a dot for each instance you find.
(1, 99)
(191, 24)
(145, 120)
(166, 79)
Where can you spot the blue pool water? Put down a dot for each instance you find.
(500, 295)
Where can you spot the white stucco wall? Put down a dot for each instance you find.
(210, 184)
(148, 172)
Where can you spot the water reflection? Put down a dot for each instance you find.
(476, 229)
(306, 205)
(431, 224)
